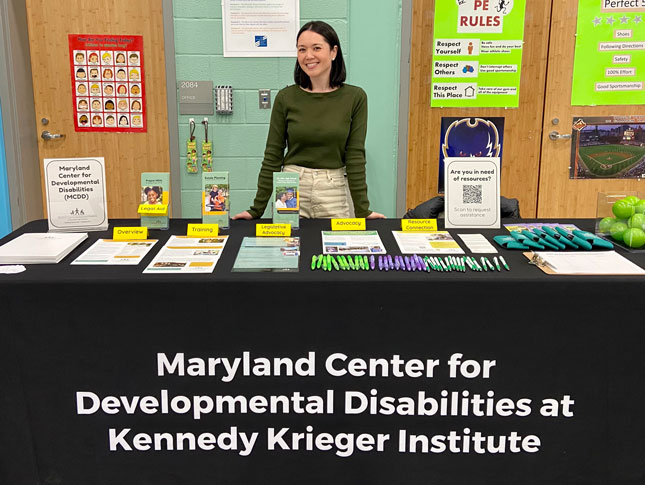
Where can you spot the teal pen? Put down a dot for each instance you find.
(443, 265)
(490, 265)
(484, 263)
(463, 264)
(437, 266)
(496, 263)
(501, 258)
(448, 264)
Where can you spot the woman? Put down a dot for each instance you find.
(281, 201)
(322, 121)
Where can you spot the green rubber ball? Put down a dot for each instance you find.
(605, 224)
(623, 209)
(640, 206)
(634, 237)
(617, 230)
(632, 199)
(637, 220)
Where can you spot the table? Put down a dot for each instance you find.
(554, 364)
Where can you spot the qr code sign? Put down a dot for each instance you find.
(472, 194)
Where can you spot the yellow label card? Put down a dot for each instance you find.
(273, 230)
(135, 233)
(348, 224)
(153, 209)
(418, 225)
(200, 230)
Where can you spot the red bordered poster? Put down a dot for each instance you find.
(108, 83)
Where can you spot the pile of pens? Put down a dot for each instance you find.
(387, 262)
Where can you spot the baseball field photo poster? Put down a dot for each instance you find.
(477, 53)
(608, 147)
(609, 53)
(108, 85)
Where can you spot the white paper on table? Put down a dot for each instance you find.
(183, 254)
(477, 243)
(600, 263)
(115, 252)
(436, 242)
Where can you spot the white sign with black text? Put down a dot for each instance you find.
(75, 193)
(472, 192)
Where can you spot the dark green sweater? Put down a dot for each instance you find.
(319, 130)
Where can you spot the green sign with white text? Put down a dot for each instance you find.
(477, 53)
(609, 66)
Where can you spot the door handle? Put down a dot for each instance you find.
(554, 135)
(46, 135)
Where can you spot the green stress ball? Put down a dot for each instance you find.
(617, 230)
(634, 237)
(605, 224)
(623, 209)
(632, 199)
(637, 220)
(640, 206)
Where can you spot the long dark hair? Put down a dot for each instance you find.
(338, 74)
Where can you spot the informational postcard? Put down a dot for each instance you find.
(268, 254)
(183, 254)
(112, 252)
(438, 242)
(352, 242)
(539, 225)
(477, 243)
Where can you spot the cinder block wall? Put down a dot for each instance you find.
(239, 139)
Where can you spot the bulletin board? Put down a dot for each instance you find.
(108, 83)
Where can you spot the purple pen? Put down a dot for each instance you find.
(407, 264)
(396, 263)
(390, 262)
(420, 264)
(380, 262)
(372, 262)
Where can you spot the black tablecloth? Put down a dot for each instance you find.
(569, 346)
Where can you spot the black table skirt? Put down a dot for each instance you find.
(564, 357)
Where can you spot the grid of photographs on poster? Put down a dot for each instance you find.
(108, 83)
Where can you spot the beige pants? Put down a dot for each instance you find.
(323, 192)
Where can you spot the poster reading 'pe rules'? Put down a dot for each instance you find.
(477, 53)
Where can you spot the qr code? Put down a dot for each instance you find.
(472, 194)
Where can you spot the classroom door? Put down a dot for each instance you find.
(522, 127)
(559, 195)
(126, 154)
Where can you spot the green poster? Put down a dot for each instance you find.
(477, 53)
(609, 66)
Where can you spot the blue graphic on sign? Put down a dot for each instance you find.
(260, 41)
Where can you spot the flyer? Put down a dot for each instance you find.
(75, 194)
(437, 242)
(215, 199)
(112, 252)
(609, 53)
(286, 199)
(155, 200)
(108, 83)
(352, 242)
(261, 28)
(268, 254)
(477, 53)
(183, 254)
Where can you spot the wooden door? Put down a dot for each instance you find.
(126, 154)
(523, 125)
(561, 196)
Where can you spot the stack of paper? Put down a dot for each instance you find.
(33, 248)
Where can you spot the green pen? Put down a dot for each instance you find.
(366, 263)
(341, 262)
(501, 258)
(313, 262)
(350, 260)
(329, 266)
(333, 261)
(358, 260)
(490, 265)
(320, 261)
(484, 264)
(324, 262)
(496, 263)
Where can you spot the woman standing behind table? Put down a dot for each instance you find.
(322, 122)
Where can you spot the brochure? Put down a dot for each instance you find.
(113, 252)
(286, 199)
(352, 242)
(35, 248)
(155, 194)
(183, 254)
(268, 254)
(215, 199)
(436, 242)
(75, 194)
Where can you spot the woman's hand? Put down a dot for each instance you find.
(376, 215)
(243, 215)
